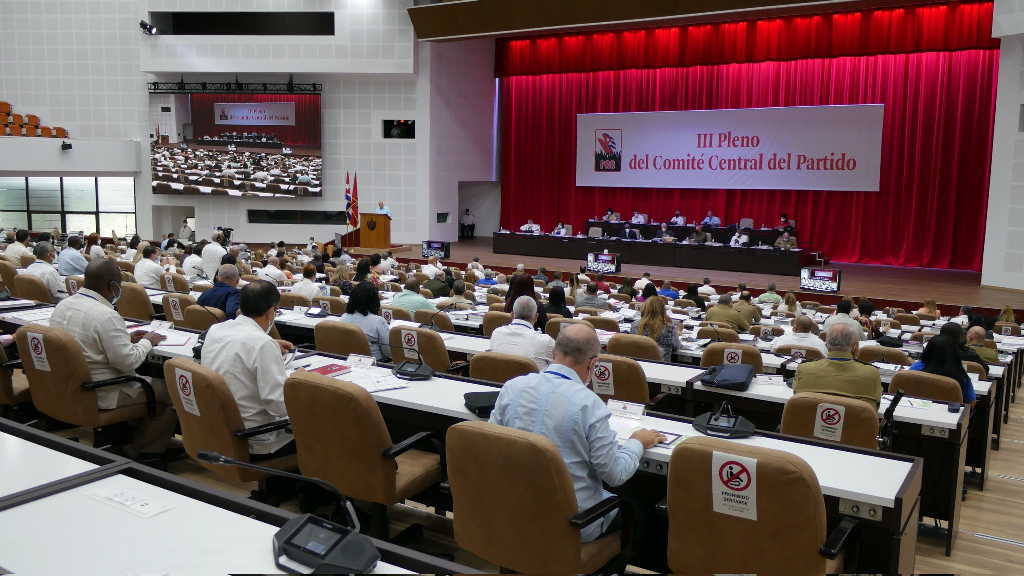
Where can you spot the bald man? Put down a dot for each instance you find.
(272, 272)
(976, 337)
(802, 335)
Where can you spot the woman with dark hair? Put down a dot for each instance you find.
(363, 310)
(865, 307)
(556, 303)
(627, 288)
(691, 294)
(522, 285)
(957, 334)
(92, 247)
(942, 356)
(649, 290)
(364, 273)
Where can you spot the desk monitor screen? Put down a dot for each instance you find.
(442, 250)
(315, 540)
(601, 263)
(238, 145)
(820, 279)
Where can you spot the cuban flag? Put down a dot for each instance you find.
(349, 202)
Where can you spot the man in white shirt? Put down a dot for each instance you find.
(638, 218)
(169, 242)
(71, 262)
(468, 222)
(308, 286)
(842, 316)
(802, 335)
(193, 264)
(212, 253)
(185, 234)
(253, 367)
(520, 338)
(643, 281)
(43, 269)
(530, 227)
(706, 289)
(148, 271)
(389, 262)
(678, 219)
(432, 268)
(475, 265)
(17, 249)
(272, 272)
(261, 176)
(110, 351)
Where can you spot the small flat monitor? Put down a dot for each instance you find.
(603, 263)
(820, 279)
(442, 250)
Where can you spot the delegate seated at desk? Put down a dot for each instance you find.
(43, 269)
(225, 294)
(410, 299)
(840, 373)
(802, 335)
(110, 351)
(589, 298)
(786, 242)
(520, 338)
(558, 405)
(724, 312)
(976, 341)
(71, 262)
(148, 271)
(252, 365)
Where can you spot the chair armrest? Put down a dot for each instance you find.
(596, 512)
(264, 429)
(147, 388)
(837, 538)
(405, 445)
(12, 364)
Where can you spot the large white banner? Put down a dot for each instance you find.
(255, 113)
(796, 148)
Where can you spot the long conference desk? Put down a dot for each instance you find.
(66, 508)
(754, 260)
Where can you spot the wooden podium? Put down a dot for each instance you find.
(374, 231)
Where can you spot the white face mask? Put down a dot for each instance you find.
(113, 300)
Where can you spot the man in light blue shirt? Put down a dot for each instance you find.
(558, 405)
(70, 262)
(410, 298)
(711, 220)
(382, 209)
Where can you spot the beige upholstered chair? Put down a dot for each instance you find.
(135, 303)
(337, 337)
(634, 346)
(174, 305)
(29, 287)
(200, 318)
(925, 385)
(714, 355)
(624, 375)
(884, 354)
(857, 425)
(493, 320)
(499, 367)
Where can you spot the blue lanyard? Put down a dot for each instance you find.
(559, 374)
(841, 359)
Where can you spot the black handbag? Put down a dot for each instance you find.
(481, 403)
(729, 376)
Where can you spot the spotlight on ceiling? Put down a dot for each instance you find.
(147, 28)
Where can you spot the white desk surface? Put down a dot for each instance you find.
(25, 465)
(85, 535)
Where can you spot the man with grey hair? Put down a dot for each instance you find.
(725, 313)
(272, 272)
(840, 373)
(224, 294)
(519, 337)
(559, 405)
(43, 269)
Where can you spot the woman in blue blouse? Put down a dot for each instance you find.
(942, 356)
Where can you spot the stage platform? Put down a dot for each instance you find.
(860, 280)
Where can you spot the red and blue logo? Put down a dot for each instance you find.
(608, 150)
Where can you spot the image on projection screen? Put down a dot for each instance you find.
(236, 145)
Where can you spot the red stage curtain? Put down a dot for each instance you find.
(914, 29)
(936, 150)
(305, 133)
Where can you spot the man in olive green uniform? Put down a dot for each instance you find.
(750, 313)
(786, 242)
(724, 312)
(699, 236)
(840, 373)
(976, 341)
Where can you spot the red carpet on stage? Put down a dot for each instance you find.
(934, 68)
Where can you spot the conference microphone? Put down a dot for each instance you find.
(887, 429)
(431, 324)
(217, 458)
(418, 370)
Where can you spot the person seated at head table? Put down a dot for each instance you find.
(363, 310)
(942, 356)
(711, 220)
(741, 238)
(631, 233)
(111, 351)
(785, 242)
(558, 404)
(530, 227)
(839, 373)
(665, 235)
(520, 338)
(225, 294)
(609, 216)
(559, 230)
(253, 367)
(638, 218)
(678, 219)
(699, 236)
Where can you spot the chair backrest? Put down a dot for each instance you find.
(926, 316)
(31, 287)
(810, 304)
(495, 299)
(126, 266)
(8, 272)
(831, 418)
(175, 305)
(620, 297)
(340, 436)
(250, 277)
(785, 510)
(202, 317)
(497, 307)
(134, 302)
(718, 334)
(289, 300)
(975, 368)
(826, 310)
(884, 354)
(395, 313)
(208, 415)
(55, 368)
(174, 282)
(620, 378)
(595, 232)
(1006, 329)
(907, 319)
(7, 395)
(499, 367)
(330, 304)
(766, 331)
(493, 320)
(725, 353)
(587, 311)
(634, 346)
(925, 385)
(746, 223)
(601, 323)
(554, 325)
(339, 337)
(805, 352)
(513, 498)
(886, 324)
(406, 340)
(434, 319)
(27, 260)
(73, 283)
(684, 303)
